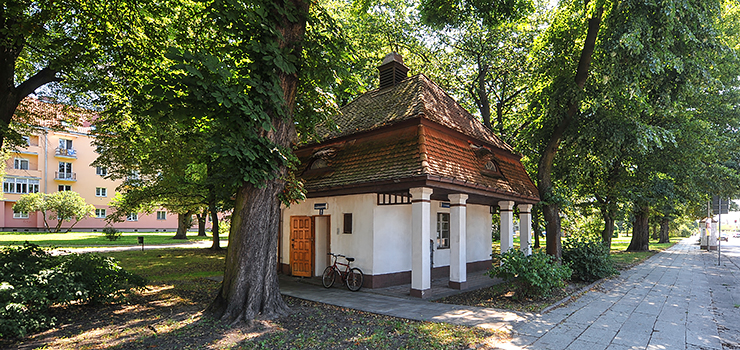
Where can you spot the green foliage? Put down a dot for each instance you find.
(33, 280)
(111, 233)
(535, 276)
(62, 206)
(588, 257)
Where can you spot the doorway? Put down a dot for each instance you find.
(301, 246)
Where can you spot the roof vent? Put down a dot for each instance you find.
(392, 70)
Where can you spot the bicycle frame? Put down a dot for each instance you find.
(352, 277)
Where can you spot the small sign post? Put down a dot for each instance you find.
(141, 241)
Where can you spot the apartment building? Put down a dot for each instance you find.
(60, 161)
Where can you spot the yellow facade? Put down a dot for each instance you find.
(60, 160)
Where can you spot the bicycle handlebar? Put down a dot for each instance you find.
(337, 255)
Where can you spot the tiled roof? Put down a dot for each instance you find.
(391, 157)
(455, 159)
(440, 142)
(35, 112)
(414, 96)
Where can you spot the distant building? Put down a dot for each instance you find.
(55, 160)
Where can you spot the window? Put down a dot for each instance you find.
(443, 230)
(101, 170)
(348, 223)
(161, 215)
(100, 213)
(20, 215)
(20, 185)
(20, 163)
(65, 144)
(132, 217)
(101, 192)
(65, 171)
(65, 188)
(27, 140)
(134, 175)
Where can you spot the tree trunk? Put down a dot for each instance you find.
(640, 231)
(484, 106)
(214, 227)
(654, 234)
(536, 227)
(202, 223)
(551, 209)
(608, 232)
(250, 287)
(664, 226)
(184, 221)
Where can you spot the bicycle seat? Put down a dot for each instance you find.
(350, 259)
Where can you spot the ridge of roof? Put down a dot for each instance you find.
(414, 96)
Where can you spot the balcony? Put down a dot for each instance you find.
(62, 176)
(65, 152)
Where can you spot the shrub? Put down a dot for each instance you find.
(534, 276)
(111, 233)
(588, 257)
(33, 280)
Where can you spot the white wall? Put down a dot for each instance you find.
(392, 243)
(358, 245)
(478, 232)
(381, 229)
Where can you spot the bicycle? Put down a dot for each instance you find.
(352, 277)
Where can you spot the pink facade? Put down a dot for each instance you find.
(60, 160)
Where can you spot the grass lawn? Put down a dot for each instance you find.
(93, 239)
(169, 315)
(624, 260)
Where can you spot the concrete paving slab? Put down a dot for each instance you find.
(664, 303)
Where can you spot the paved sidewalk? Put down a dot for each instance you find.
(663, 303)
(185, 244)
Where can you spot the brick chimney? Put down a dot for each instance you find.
(392, 71)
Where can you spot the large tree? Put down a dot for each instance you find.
(235, 85)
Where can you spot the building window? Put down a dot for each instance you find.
(161, 215)
(348, 223)
(65, 171)
(65, 144)
(132, 217)
(20, 185)
(20, 215)
(27, 140)
(65, 188)
(100, 213)
(20, 163)
(443, 230)
(101, 170)
(101, 192)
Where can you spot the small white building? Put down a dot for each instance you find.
(408, 182)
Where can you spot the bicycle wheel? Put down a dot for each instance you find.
(355, 279)
(327, 279)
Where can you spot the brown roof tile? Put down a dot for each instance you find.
(414, 96)
(393, 156)
(357, 154)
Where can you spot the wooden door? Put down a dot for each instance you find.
(301, 246)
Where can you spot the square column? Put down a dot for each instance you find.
(458, 237)
(525, 228)
(507, 225)
(421, 227)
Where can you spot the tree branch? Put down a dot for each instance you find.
(41, 78)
